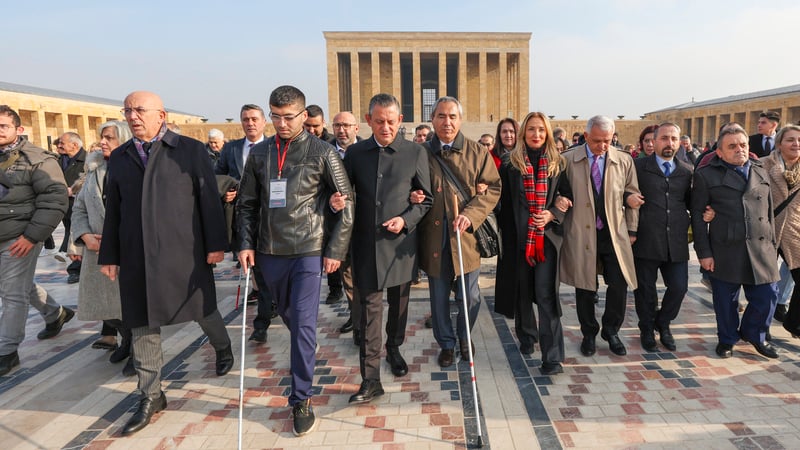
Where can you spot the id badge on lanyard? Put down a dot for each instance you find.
(277, 187)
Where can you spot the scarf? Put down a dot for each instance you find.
(536, 195)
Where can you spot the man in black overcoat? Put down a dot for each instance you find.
(164, 228)
(383, 170)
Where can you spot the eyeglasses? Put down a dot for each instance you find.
(288, 118)
(139, 110)
(7, 126)
(343, 125)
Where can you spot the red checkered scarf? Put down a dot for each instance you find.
(536, 195)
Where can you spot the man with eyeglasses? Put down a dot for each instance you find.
(164, 229)
(345, 131)
(231, 162)
(282, 222)
(37, 201)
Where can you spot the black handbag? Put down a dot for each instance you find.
(487, 235)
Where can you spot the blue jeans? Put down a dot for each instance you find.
(785, 285)
(17, 291)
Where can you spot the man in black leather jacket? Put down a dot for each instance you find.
(281, 222)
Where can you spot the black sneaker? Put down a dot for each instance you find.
(304, 420)
(52, 329)
(334, 295)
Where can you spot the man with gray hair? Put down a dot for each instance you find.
(471, 164)
(72, 159)
(216, 139)
(600, 229)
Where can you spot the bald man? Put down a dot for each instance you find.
(164, 228)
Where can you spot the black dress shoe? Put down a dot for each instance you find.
(462, 346)
(120, 354)
(224, 360)
(73, 278)
(259, 335)
(666, 338)
(526, 349)
(129, 370)
(429, 322)
(252, 297)
(588, 347)
(780, 313)
(446, 357)
(765, 348)
(615, 344)
(357, 337)
(551, 368)
(724, 350)
(333, 297)
(347, 327)
(648, 339)
(52, 329)
(369, 390)
(8, 362)
(396, 361)
(142, 416)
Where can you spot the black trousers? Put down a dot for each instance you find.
(676, 279)
(371, 303)
(550, 333)
(616, 292)
(792, 322)
(264, 314)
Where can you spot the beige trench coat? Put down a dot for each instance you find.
(579, 266)
(787, 223)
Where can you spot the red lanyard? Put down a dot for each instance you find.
(281, 157)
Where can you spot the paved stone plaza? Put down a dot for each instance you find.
(67, 395)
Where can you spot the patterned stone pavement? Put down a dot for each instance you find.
(67, 395)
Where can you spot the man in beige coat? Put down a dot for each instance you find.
(599, 231)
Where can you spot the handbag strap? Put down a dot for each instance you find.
(452, 178)
(785, 203)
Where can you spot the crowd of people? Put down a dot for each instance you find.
(372, 212)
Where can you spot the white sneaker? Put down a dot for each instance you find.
(61, 256)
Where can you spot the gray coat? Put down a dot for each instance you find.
(98, 297)
(741, 238)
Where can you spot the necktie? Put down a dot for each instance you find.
(446, 148)
(597, 178)
(146, 151)
(667, 169)
(767, 144)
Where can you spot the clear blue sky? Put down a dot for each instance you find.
(614, 57)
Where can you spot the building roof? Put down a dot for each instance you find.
(31, 90)
(734, 98)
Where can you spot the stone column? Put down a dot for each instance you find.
(39, 128)
(462, 80)
(442, 74)
(84, 130)
(62, 123)
(355, 83)
(506, 90)
(333, 74)
(417, 71)
(523, 84)
(376, 72)
(396, 91)
(482, 117)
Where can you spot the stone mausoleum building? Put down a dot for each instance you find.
(46, 113)
(487, 72)
(701, 120)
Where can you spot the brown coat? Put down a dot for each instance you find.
(579, 251)
(787, 223)
(472, 164)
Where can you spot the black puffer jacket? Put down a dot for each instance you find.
(36, 203)
(313, 172)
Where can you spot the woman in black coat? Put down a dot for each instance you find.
(527, 270)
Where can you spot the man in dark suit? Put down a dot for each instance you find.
(763, 142)
(383, 170)
(232, 159)
(72, 159)
(738, 246)
(345, 130)
(662, 242)
(315, 123)
(160, 244)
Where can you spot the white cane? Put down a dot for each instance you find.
(241, 357)
(479, 441)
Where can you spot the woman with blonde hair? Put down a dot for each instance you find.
(98, 297)
(783, 167)
(527, 270)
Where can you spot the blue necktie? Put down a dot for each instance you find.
(667, 169)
